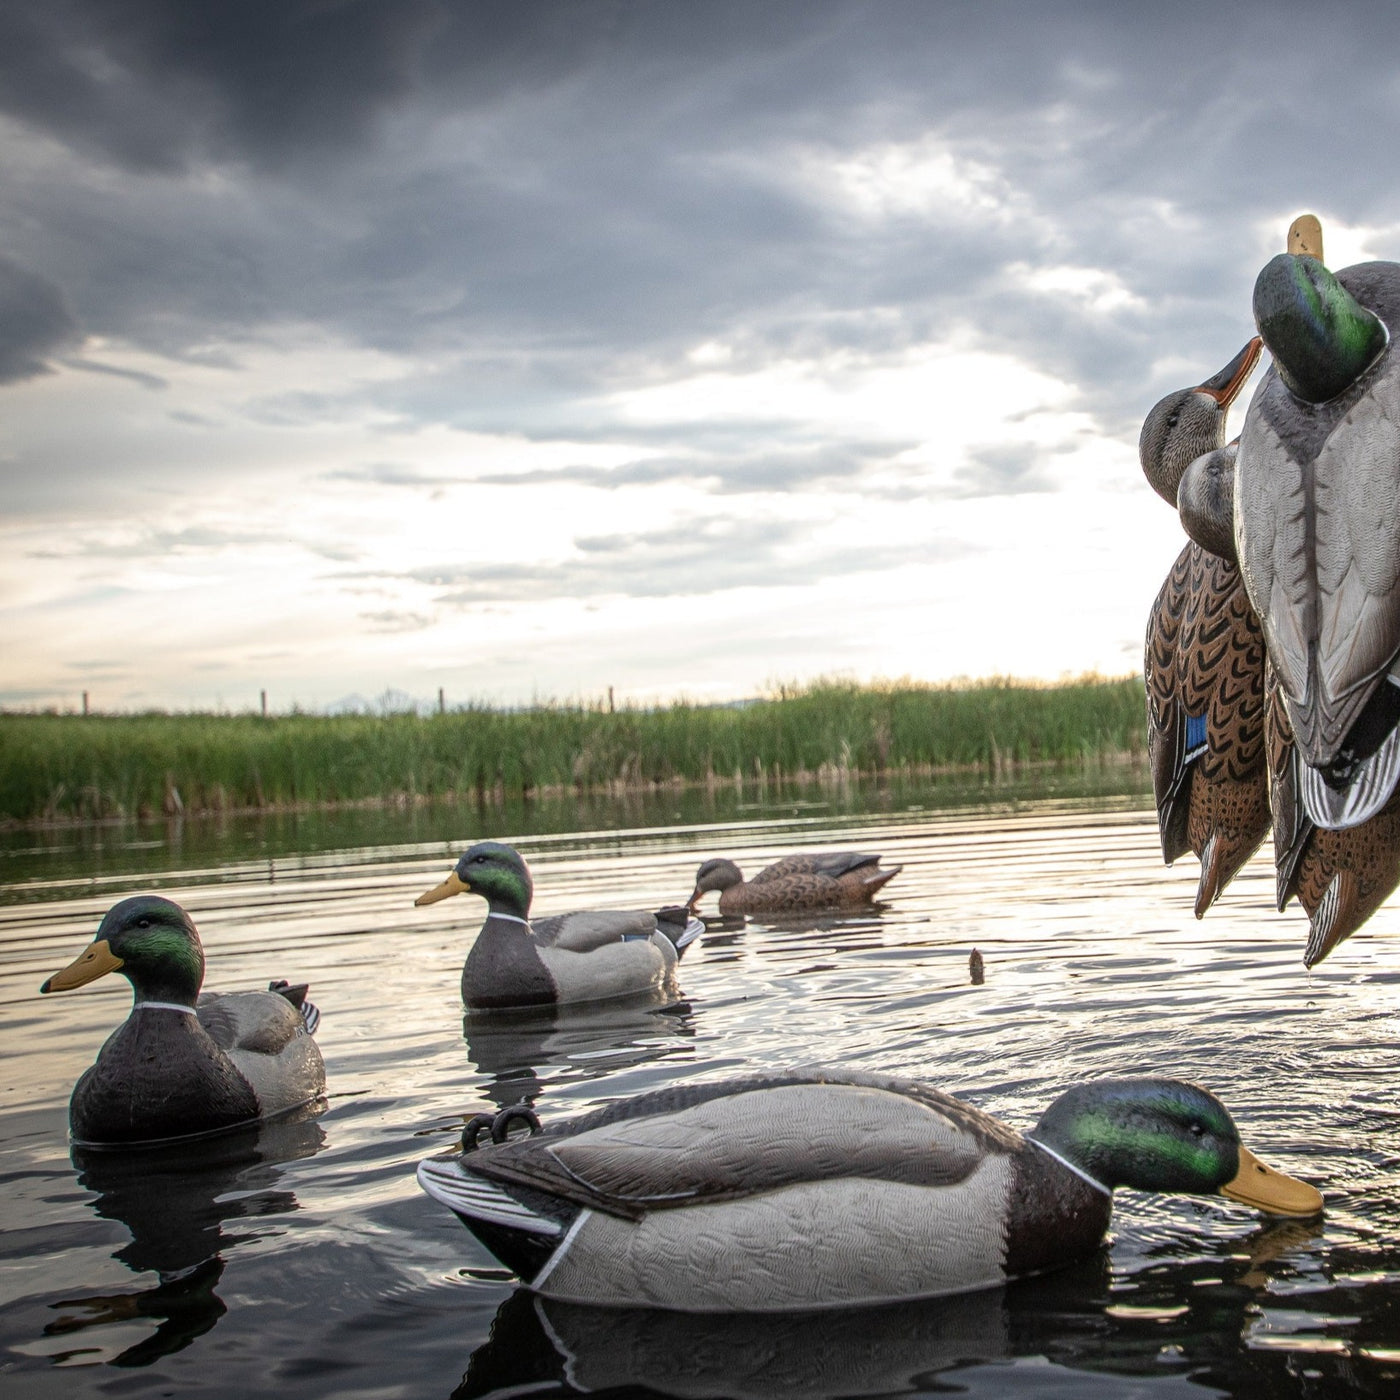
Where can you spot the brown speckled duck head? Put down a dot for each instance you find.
(1189, 422)
(719, 874)
(1205, 501)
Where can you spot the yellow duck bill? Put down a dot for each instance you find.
(1272, 1192)
(96, 960)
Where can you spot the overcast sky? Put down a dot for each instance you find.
(523, 349)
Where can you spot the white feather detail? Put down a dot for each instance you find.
(480, 1199)
(1362, 798)
(164, 1006)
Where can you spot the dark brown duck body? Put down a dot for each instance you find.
(129, 1095)
(799, 883)
(1204, 673)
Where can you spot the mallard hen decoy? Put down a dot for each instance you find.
(183, 1062)
(1317, 500)
(831, 1188)
(1339, 877)
(797, 883)
(1203, 660)
(517, 961)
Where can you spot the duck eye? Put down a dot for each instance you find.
(143, 923)
(1172, 421)
(1197, 1130)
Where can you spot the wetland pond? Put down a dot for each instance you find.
(307, 1261)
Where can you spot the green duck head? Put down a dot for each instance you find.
(496, 872)
(719, 874)
(1322, 339)
(1165, 1135)
(152, 942)
(1189, 422)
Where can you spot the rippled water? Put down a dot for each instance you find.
(308, 1259)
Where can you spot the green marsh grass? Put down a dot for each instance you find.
(71, 767)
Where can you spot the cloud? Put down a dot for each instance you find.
(35, 322)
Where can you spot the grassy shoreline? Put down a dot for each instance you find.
(60, 769)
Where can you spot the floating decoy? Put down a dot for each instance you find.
(1339, 877)
(1318, 498)
(796, 883)
(185, 1062)
(517, 961)
(1203, 659)
(830, 1188)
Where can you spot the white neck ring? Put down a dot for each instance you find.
(1078, 1171)
(164, 1006)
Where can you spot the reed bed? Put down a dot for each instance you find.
(57, 768)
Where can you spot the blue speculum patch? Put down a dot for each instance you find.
(1195, 735)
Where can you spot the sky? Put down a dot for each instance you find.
(521, 350)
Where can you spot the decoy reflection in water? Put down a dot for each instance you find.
(175, 1201)
(1318, 486)
(517, 1055)
(587, 956)
(185, 1063)
(796, 883)
(831, 1188)
(1203, 660)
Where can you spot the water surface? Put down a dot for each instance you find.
(306, 1258)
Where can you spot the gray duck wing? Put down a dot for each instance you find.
(742, 1138)
(586, 930)
(262, 1023)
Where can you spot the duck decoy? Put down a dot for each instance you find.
(1203, 659)
(517, 961)
(185, 1062)
(1318, 495)
(831, 1188)
(1339, 877)
(796, 883)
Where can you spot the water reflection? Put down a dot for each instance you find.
(175, 1202)
(1081, 1320)
(518, 1052)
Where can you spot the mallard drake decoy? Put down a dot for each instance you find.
(830, 1187)
(1203, 660)
(183, 1062)
(1317, 497)
(517, 961)
(1339, 877)
(796, 883)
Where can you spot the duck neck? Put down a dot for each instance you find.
(172, 977)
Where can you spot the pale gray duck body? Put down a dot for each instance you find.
(586, 956)
(787, 1192)
(184, 1063)
(1316, 505)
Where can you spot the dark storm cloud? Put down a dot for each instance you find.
(34, 322)
(537, 205)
